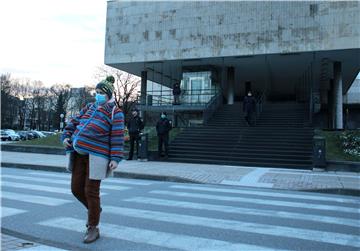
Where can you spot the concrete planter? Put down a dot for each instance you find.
(33, 149)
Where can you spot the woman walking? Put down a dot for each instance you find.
(94, 140)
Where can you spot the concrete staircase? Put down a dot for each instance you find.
(279, 139)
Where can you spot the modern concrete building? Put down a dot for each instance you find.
(306, 52)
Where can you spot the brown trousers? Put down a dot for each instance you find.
(87, 191)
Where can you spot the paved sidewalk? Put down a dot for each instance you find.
(288, 179)
(11, 243)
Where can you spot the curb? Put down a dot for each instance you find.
(32, 149)
(331, 165)
(347, 166)
(117, 174)
(128, 175)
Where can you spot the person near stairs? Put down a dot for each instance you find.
(176, 93)
(249, 105)
(135, 125)
(94, 141)
(163, 128)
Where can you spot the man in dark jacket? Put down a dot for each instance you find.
(135, 125)
(176, 93)
(163, 128)
(249, 105)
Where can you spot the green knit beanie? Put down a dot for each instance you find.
(107, 86)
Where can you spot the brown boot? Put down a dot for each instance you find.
(92, 234)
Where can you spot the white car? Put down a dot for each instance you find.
(13, 135)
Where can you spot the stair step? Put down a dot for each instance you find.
(211, 154)
(206, 145)
(240, 150)
(242, 163)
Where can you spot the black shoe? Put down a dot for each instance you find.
(129, 159)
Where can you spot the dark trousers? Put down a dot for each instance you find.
(176, 99)
(248, 117)
(87, 191)
(134, 139)
(163, 140)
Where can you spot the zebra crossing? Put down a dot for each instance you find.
(152, 215)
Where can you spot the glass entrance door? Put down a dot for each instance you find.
(196, 87)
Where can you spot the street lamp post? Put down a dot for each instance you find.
(61, 121)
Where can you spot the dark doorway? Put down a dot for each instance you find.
(247, 87)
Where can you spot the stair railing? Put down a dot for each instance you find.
(212, 106)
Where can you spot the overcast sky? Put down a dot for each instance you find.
(55, 41)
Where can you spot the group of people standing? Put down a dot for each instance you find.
(135, 125)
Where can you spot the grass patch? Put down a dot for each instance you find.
(52, 140)
(334, 149)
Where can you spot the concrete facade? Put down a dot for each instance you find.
(284, 49)
(155, 31)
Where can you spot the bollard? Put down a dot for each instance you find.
(319, 151)
(143, 147)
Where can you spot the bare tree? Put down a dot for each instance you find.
(60, 95)
(126, 87)
(22, 90)
(10, 103)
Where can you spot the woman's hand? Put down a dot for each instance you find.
(113, 165)
(66, 142)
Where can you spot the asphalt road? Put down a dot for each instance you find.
(150, 215)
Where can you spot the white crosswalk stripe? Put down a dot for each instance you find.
(8, 211)
(304, 234)
(246, 211)
(163, 239)
(36, 187)
(62, 182)
(263, 201)
(270, 194)
(42, 200)
(109, 180)
(324, 220)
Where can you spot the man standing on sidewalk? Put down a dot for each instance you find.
(163, 128)
(135, 125)
(95, 140)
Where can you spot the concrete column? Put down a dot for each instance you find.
(223, 81)
(230, 85)
(143, 87)
(143, 95)
(338, 96)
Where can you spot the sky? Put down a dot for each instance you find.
(54, 41)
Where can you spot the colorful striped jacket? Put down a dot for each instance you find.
(96, 132)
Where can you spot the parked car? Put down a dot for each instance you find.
(30, 135)
(46, 133)
(38, 134)
(5, 136)
(25, 135)
(13, 135)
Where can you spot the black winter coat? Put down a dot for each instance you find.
(135, 125)
(176, 89)
(249, 104)
(163, 126)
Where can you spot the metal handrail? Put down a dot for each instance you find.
(211, 107)
(165, 97)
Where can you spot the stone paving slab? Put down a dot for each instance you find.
(12, 243)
